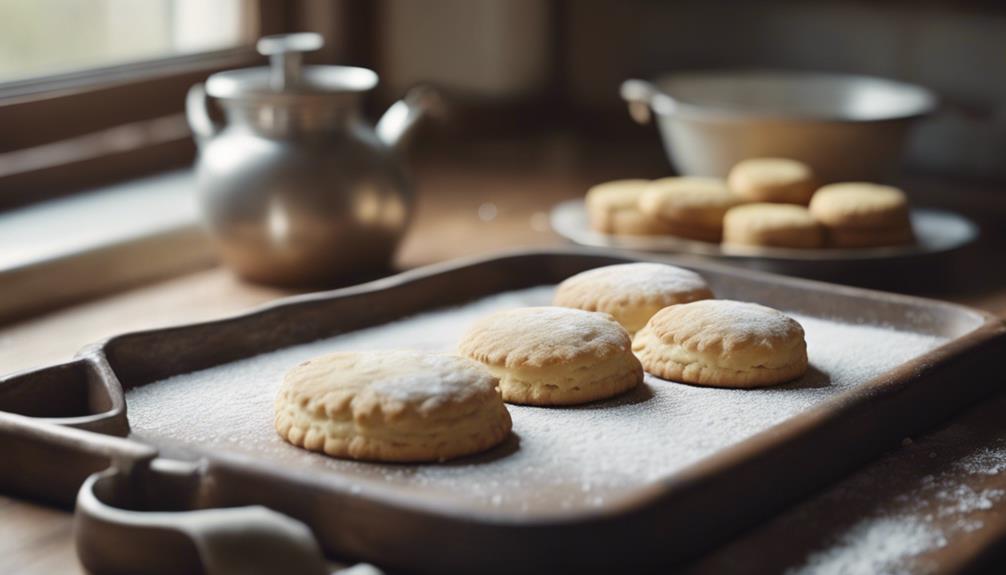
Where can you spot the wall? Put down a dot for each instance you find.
(959, 54)
(575, 53)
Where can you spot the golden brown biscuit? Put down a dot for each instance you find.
(860, 204)
(631, 293)
(554, 355)
(777, 225)
(613, 208)
(773, 180)
(391, 406)
(693, 207)
(722, 343)
(859, 214)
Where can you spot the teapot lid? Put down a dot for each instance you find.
(286, 77)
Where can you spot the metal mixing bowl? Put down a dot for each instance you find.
(846, 127)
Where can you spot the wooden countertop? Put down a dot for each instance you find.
(496, 197)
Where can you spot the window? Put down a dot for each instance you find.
(44, 37)
(93, 91)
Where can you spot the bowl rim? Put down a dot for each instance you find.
(666, 104)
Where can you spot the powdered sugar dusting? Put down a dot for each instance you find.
(928, 512)
(566, 458)
(894, 516)
(646, 279)
(985, 461)
(716, 322)
(537, 335)
(435, 378)
(873, 546)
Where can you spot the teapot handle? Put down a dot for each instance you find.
(198, 114)
(402, 117)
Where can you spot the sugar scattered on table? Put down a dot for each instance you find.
(986, 461)
(929, 511)
(872, 547)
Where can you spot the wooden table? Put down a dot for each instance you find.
(496, 196)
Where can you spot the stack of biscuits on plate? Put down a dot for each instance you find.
(769, 202)
(605, 328)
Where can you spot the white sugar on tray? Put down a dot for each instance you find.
(560, 458)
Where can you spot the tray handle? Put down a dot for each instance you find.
(123, 453)
(247, 540)
(46, 461)
(109, 539)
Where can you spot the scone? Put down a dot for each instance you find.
(613, 208)
(722, 343)
(859, 215)
(391, 406)
(631, 293)
(777, 180)
(692, 207)
(775, 225)
(554, 355)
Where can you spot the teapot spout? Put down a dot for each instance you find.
(399, 120)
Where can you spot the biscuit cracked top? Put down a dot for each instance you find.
(611, 287)
(725, 326)
(387, 384)
(543, 336)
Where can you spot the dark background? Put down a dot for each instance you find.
(538, 65)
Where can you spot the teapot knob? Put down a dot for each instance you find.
(285, 52)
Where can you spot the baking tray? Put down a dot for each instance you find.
(66, 422)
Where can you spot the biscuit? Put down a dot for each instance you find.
(776, 225)
(631, 293)
(554, 355)
(396, 406)
(613, 208)
(859, 214)
(693, 207)
(778, 180)
(722, 343)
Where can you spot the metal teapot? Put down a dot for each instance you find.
(295, 187)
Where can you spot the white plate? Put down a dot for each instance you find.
(936, 231)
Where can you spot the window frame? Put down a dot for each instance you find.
(71, 131)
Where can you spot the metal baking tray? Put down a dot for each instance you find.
(68, 425)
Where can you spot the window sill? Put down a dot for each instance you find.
(70, 249)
